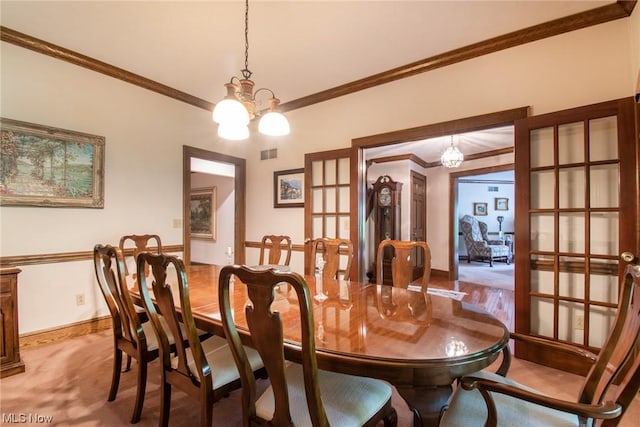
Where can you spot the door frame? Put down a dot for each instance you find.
(239, 203)
(359, 170)
(453, 210)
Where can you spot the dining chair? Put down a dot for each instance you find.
(272, 247)
(203, 369)
(141, 243)
(405, 263)
(130, 335)
(608, 389)
(299, 393)
(336, 254)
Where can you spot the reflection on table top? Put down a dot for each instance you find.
(360, 328)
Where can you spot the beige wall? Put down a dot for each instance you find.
(145, 132)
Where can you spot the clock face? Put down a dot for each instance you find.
(385, 196)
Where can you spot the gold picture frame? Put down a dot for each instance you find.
(202, 206)
(480, 209)
(50, 167)
(501, 204)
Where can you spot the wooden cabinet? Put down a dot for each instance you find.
(10, 362)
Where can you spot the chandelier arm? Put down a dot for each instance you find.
(273, 95)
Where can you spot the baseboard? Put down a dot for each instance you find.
(69, 331)
(442, 274)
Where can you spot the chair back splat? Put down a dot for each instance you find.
(272, 248)
(337, 255)
(299, 394)
(130, 334)
(141, 243)
(408, 259)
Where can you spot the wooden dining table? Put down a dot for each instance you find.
(419, 342)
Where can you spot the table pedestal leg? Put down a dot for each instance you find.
(426, 403)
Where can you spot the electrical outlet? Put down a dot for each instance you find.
(80, 299)
(580, 322)
(177, 223)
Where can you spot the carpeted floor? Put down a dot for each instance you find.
(69, 382)
(499, 276)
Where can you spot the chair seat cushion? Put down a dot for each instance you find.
(348, 400)
(467, 408)
(499, 250)
(221, 360)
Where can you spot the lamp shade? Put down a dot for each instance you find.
(233, 132)
(274, 124)
(231, 111)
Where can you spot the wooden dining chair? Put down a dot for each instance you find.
(141, 243)
(272, 247)
(298, 394)
(405, 263)
(608, 389)
(203, 369)
(337, 255)
(130, 335)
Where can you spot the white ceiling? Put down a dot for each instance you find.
(296, 48)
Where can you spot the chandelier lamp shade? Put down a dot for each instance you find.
(452, 157)
(234, 113)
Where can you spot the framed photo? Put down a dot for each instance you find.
(288, 188)
(46, 166)
(502, 204)
(202, 205)
(480, 209)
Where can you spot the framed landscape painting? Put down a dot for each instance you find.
(203, 206)
(288, 188)
(46, 166)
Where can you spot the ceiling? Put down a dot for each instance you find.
(296, 48)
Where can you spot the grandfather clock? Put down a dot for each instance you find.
(386, 220)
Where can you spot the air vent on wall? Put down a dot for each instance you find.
(492, 189)
(269, 154)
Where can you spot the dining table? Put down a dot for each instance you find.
(420, 342)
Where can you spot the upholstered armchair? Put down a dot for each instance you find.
(478, 247)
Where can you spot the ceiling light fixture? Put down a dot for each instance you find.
(452, 157)
(239, 106)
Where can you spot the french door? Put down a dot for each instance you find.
(576, 212)
(327, 198)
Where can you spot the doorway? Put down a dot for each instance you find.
(207, 170)
(495, 189)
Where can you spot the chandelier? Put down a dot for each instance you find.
(239, 106)
(452, 157)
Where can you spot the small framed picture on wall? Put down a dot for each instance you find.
(480, 209)
(502, 204)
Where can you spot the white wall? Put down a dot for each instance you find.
(214, 251)
(145, 132)
(472, 192)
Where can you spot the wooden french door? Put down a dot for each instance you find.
(576, 212)
(328, 196)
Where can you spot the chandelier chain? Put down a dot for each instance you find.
(246, 73)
